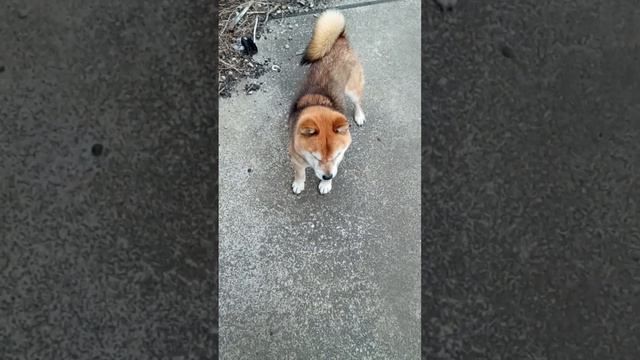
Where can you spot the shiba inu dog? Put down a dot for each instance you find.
(319, 128)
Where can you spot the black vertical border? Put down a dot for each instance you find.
(424, 9)
(213, 67)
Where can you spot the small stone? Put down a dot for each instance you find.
(23, 13)
(96, 149)
(286, 46)
(275, 68)
(443, 81)
(506, 51)
(252, 87)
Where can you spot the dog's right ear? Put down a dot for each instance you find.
(308, 127)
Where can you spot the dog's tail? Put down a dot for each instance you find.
(329, 27)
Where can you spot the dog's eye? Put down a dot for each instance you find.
(308, 131)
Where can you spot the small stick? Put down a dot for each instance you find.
(237, 18)
(267, 17)
(224, 62)
(229, 65)
(255, 27)
(227, 23)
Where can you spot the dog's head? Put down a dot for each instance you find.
(322, 137)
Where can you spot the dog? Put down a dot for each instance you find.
(319, 129)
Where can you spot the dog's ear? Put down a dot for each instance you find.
(341, 125)
(307, 127)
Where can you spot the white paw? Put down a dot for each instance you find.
(297, 186)
(359, 117)
(325, 186)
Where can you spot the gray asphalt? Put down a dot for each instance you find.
(325, 276)
(531, 232)
(110, 256)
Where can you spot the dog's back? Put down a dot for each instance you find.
(331, 60)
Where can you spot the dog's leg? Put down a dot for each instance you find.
(358, 115)
(298, 180)
(324, 186)
(355, 90)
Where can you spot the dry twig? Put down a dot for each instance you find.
(237, 18)
(255, 27)
(267, 17)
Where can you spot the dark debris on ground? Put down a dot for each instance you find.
(234, 62)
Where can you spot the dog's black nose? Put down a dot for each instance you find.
(327, 177)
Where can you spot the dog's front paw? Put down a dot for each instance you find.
(325, 186)
(297, 187)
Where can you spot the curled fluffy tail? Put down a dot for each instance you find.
(329, 27)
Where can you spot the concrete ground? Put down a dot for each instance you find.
(325, 276)
(530, 220)
(112, 255)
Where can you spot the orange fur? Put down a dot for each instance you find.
(323, 131)
(329, 27)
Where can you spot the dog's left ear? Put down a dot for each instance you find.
(341, 125)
